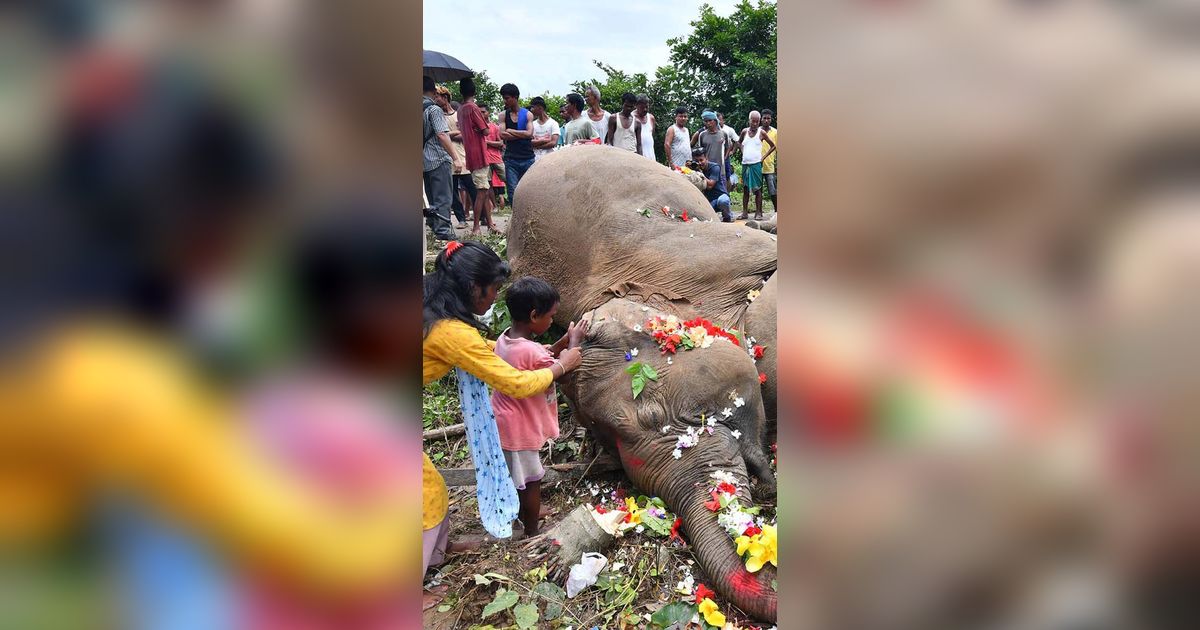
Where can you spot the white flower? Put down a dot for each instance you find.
(645, 309)
(691, 430)
(738, 234)
(737, 434)
(733, 394)
(721, 475)
(739, 402)
(633, 351)
(666, 428)
(727, 412)
(691, 236)
(639, 529)
(638, 328)
(676, 453)
(712, 422)
(686, 585)
(669, 362)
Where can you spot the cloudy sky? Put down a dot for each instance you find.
(536, 47)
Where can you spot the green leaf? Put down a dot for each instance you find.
(504, 600)
(633, 368)
(673, 616)
(479, 579)
(444, 608)
(638, 385)
(552, 596)
(659, 526)
(649, 372)
(526, 615)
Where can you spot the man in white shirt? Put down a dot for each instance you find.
(596, 114)
(545, 129)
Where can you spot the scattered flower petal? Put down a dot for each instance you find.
(727, 412)
(739, 402)
(676, 453)
(736, 434)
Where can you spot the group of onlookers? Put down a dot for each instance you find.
(465, 151)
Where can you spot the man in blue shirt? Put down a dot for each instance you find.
(714, 185)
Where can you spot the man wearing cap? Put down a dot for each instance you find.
(714, 185)
(715, 144)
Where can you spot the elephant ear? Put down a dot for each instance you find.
(656, 297)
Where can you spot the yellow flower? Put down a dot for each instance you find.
(761, 549)
(712, 615)
(635, 514)
(754, 293)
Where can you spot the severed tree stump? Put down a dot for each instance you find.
(574, 535)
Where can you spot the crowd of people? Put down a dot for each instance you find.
(466, 151)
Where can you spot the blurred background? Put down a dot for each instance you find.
(989, 375)
(209, 213)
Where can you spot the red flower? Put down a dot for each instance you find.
(715, 503)
(758, 352)
(628, 517)
(675, 529)
(703, 592)
(727, 488)
(762, 378)
(600, 509)
(684, 216)
(751, 530)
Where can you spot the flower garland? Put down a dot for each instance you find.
(672, 334)
(757, 540)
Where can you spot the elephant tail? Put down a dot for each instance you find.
(715, 550)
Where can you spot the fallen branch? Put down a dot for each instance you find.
(554, 472)
(454, 429)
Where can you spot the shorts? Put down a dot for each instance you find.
(497, 174)
(524, 466)
(769, 180)
(752, 174)
(479, 177)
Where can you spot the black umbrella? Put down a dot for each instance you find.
(442, 67)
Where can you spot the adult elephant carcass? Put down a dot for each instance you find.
(590, 220)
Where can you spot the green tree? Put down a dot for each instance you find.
(486, 92)
(730, 62)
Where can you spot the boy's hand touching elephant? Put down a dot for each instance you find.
(576, 333)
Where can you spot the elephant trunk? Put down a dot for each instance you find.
(715, 550)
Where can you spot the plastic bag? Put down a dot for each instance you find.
(584, 574)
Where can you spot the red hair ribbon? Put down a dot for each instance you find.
(452, 247)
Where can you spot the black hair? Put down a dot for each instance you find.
(628, 97)
(341, 261)
(450, 288)
(537, 100)
(767, 112)
(680, 110)
(466, 86)
(508, 89)
(698, 152)
(132, 191)
(529, 294)
(427, 84)
(576, 100)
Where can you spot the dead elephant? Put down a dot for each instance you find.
(606, 228)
